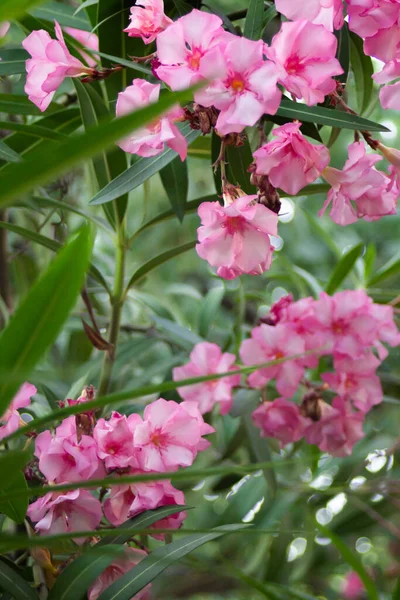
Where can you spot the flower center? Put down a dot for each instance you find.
(194, 60)
(237, 83)
(278, 355)
(293, 65)
(234, 225)
(156, 438)
(339, 327)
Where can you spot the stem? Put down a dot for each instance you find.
(117, 302)
(5, 288)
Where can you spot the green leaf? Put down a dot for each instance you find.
(140, 171)
(14, 104)
(209, 309)
(14, 583)
(155, 563)
(51, 245)
(174, 177)
(396, 591)
(142, 521)
(326, 116)
(200, 148)
(15, 507)
(74, 582)
(159, 260)
(351, 559)
(64, 14)
(363, 69)
(343, 51)
(44, 165)
(253, 25)
(107, 165)
(191, 206)
(7, 154)
(40, 316)
(238, 160)
(343, 268)
(389, 269)
(12, 9)
(13, 62)
(11, 462)
(33, 130)
(369, 261)
(129, 64)
(42, 201)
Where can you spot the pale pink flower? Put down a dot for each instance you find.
(66, 512)
(170, 435)
(386, 328)
(353, 588)
(305, 56)
(207, 359)
(280, 419)
(356, 380)
(127, 501)
(385, 45)
(114, 439)
(370, 189)
(189, 44)
(291, 161)
(267, 343)
(62, 458)
(147, 20)
(236, 238)
(87, 39)
(120, 566)
(246, 85)
(345, 323)
(150, 139)
(337, 430)
(50, 64)
(328, 13)
(10, 420)
(4, 27)
(368, 17)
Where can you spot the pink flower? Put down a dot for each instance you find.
(150, 139)
(353, 588)
(147, 20)
(87, 39)
(187, 46)
(386, 328)
(345, 323)
(4, 27)
(62, 458)
(268, 343)
(305, 56)
(385, 45)
(368, 17)
(67, 512)
(280, 419)
(11, 417)
(127, 501)
(114, 439)
(236, 238)
(290, 161)
(170, 435)
(120, 566)
(50, 64)
(279, 309)
(359, 181)
(245, 88)
(338, 429)
(207, 359)
(356, 380)
(328, 13)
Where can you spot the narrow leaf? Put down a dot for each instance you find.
(343, 268)
(174, 177)
(326, 116)
(363, 69)
(396, 591)
(238, 160)
(42, 166)
(40, 316)
(140, 171)
(13, 62)
(12, 9)
(389, 269)
(209, 309)
(155, 563)
(11, 504)
(15, 584)
(352, 560)
(253, 25)
(343, 51)
(7, 154)
(159, 260)
(32, 130)
(63, 13)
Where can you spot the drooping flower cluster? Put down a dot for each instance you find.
(168, 436)
(348, 327)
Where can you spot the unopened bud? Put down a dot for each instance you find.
(391, 154)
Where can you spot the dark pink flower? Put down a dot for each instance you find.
(280, 419)
(290, 161)
(207, 359)
(114, 439)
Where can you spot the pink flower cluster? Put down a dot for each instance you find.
(348, 327)
(167, 437)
